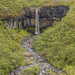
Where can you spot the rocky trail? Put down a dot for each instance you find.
(34, 59)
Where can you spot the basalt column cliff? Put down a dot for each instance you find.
(47, 16)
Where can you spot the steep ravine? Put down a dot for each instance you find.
(35, 59)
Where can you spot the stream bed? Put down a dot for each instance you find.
(37, 60)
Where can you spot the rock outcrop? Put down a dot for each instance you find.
(47, 16)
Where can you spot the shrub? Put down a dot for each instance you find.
(30, 71)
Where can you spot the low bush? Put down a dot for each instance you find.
(30, 71)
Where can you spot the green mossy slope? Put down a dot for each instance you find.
(58, 42)
(14, 7)
(10, 49)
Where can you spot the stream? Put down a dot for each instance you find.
(35, 59)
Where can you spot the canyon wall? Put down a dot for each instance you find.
(47, 16)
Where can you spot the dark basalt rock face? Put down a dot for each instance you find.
(47, 16)
(47, 12)
(55, 11)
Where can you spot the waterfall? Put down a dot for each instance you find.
(37, 30)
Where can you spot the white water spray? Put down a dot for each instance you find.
(37, 30)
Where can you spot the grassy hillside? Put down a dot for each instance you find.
(10, 49)
(58, 42)
(14, 7)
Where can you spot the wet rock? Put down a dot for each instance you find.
(47, 70)
(13, 70)
(41, 60)
(16, 73)
(12, 73)
(27, 54)
(32, 62)
(41, 64)
(19, 68)
(26, 46)
(31, 58)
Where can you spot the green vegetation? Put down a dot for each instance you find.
(30, 71)
(30, 30)
(21, 32)
(14, 7)
(10, 49)
(58, 42)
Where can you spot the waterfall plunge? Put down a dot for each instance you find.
(37, 30)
